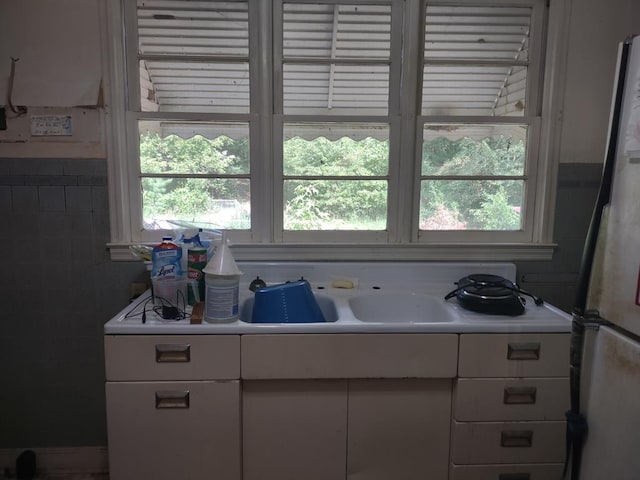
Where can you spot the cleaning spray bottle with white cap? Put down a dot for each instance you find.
(222, 278)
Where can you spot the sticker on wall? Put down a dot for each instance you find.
(51, 125)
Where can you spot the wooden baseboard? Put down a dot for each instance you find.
(57, 460)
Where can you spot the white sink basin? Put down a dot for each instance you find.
(400, 308)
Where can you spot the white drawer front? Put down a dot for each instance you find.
(349, 356)
(514, 355)
(172, 357)
(507, 472)
(173, 430)
(516, 399)
(507, 442)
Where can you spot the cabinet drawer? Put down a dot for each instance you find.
(349, 356)
(172, 357)
(507, 442)
(507, 472)
(514, 399)
(174, 430)
(514, 355)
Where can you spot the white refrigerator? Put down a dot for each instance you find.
(606, 325)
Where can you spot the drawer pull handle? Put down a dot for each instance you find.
(514, 476)
(519, 395)
(172, 399)
(523, 351)
(516, 438)
(173, 353)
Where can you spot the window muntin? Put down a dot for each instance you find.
(475, 59)
(336, 58)
(382, 68)
(475, 160)
(335, 176)
(189, 170)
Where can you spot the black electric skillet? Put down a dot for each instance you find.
(491, 294)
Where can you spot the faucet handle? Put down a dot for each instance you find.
(257, 283)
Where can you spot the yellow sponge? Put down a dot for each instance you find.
(342, 284)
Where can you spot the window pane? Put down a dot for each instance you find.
(474, 90)
(213, 203)
(194, 148)
(471, 60)
(184, 27)
(335, 205)
(336, 149)
(496, 150)
(336, 89)
(475, 32)
(336, 31)
(194, 87)
(471, 205)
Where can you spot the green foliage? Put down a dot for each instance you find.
(472, 203)
(318, 199)
(496, 213)
(345, 156)
(317, 204)
(187, 198)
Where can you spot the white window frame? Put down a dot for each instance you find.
(402, 240)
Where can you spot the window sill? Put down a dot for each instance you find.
(363, 252)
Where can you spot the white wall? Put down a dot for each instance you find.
(58, 73)
(58, 43)
(596, 28)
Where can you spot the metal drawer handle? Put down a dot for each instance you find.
(514, 476)
(519, 395)
(173, 353)
(516, 438)
(523, 351)
(172, 399)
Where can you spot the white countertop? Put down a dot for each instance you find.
(371, 278)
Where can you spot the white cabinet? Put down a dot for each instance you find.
(336, 407)
(398, 429)
(509, 405)
(173, 407)
(354, 429)
(294, 429)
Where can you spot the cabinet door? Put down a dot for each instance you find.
(171, 430)
(398, 429)
(294, 430)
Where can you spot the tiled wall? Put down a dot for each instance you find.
(555, 281)
(59, 288)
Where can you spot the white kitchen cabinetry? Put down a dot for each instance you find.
(509, 402)
(173, 406)
(366, 407)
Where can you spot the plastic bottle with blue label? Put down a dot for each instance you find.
(167, 276)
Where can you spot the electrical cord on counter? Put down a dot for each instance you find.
(166, 311)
